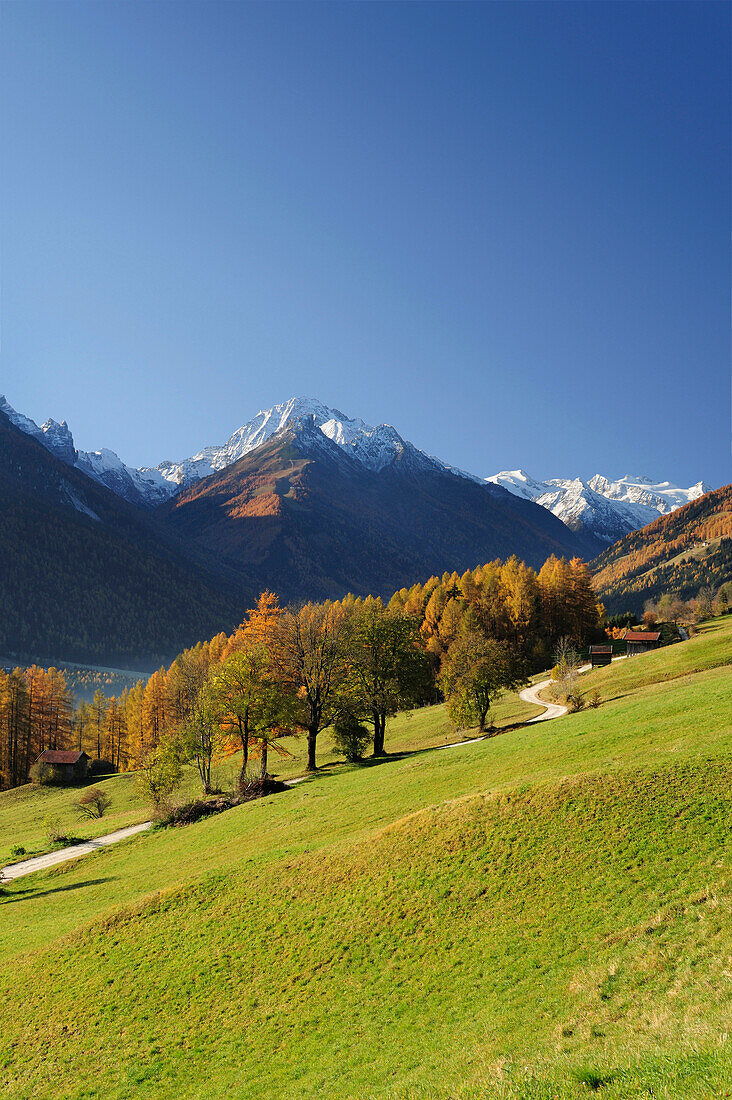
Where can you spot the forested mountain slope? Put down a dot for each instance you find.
(303, 517)
(83, 574)
(678, 554)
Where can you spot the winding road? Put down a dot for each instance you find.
(531, 695)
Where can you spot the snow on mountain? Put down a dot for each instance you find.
(23, 422)
(609, 509)
(147, 487)
(663, 497)
(375, 447)
(59, 440)
(139, 486)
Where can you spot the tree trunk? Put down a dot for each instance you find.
(312, 738)
(244, 737)
(379, 733)
(263, 772)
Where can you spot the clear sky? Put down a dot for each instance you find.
(502, 227)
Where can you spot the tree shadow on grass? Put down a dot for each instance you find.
(29, 892)
(332, 766)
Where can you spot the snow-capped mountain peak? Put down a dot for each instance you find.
(59, 440)
(607, 508)
(374, 447)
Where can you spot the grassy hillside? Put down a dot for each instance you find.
(25, 810)
(677, 554)
(543, 914)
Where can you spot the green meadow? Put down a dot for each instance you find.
(25, 811)
(543, 914)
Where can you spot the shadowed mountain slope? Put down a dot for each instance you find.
(86, 575)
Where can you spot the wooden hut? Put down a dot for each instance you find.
(640, 641)
(600, 655)
(63, 766)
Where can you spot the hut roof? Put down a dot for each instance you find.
(641, 635)
(61, 756)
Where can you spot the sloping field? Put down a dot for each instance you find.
(25, 811)
(544, 914)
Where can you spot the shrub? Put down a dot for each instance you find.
(46, 775)
(594, 699)
(16, 851)
(350, 738)
(52, 829)
(205, 807)
(94, 804)
(575, 702)
(193, 811)
(160, 774)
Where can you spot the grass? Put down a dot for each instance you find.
(23, 811)
(543, 914)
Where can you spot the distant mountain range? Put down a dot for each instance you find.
(603, 509)
(121, 565)
(106, 561)
(609, 509)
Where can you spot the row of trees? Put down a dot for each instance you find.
(288, 671)
(509, 602)
(349, 664)
(36, 713)
(354, 663)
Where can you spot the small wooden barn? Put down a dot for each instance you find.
(600, 655)
(64, 766)
(640, 641)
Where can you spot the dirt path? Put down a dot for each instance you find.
(531, 695)
(42, 863)
(74, 851)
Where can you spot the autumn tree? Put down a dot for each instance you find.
(99, 714)
(254, 705)
(387, 666)
(309, 654)
(201, 737)
(475, 670)
(160, 772)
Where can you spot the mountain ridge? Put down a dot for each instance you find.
(677, 554)
(610, 509)
(606, 509)
(88, 575)
(303, 509)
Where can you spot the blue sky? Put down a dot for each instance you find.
(502, 227)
